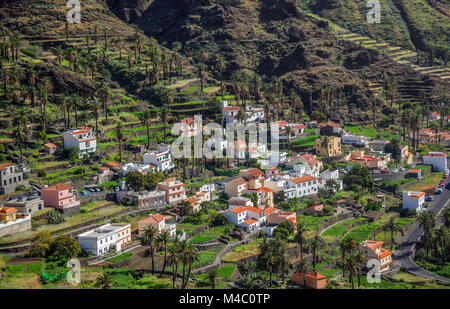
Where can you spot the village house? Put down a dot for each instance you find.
(11, 175)
(312, 124)
(235, 187)
(190, 128)
(371, 161)
(133, 167)
(355, 140)
(314, 164)
(332, 175)
(301, 186)
(295, 130)
(174, 189)
(435, 116)
(378, 144)
(239, 202)
(254, 176)
(372, 249)
(334, 147)
(413, 200)
(105, 239)
(264, 196)
(12, 222)
(50, 148)
(145, 199)
(414, 173)
(161, 159)
(62, 198)
(195, 203)
(159, 222)
(26, 205)
(330, 128)
(83, 139)
(281, 216)
(137, 148)
(313, 209)
(254, 114)
(427, 136)
(250, 218)
(314, 280)
(114, 166)
(269, 172)
(436, 159)
(230, 113)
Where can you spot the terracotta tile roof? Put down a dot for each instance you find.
(254, 209)
(435, 154)
(50, 145)
(80, 132)
(153, 219)
(384, 253)
(59, 187)
(315, 275)
(250, 221)
(372, 244)
(238, 210)
(193, 199)
(253, 172)
(413, 171)
(231, 108)
(416, 194)
(239, 181)
(270, 210)
(302, 179)
(5, 165)
(7, 210)
(271, 169)
(112, 163)
(330, 123)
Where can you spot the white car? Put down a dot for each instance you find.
(395, 171)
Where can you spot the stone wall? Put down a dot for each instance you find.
(7, 229)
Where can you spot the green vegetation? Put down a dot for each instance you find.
(121, 257)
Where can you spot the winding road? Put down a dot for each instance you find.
(403, 253)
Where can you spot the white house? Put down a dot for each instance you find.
(356, 140)
(413, 200)
(334, 175)
(250, 217)
(160, 158)
(103, 239)
(301, 186)
(254, 114)
(158, 221)
(437, 159)
(133, 167)
(230, 113)
(82, 139)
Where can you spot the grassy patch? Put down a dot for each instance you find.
(121, 257)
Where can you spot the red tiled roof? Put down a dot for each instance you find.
(302, 179)
(5, 165)
(250, 221)
(435, 154)
(155, 218)
(254, 209)
(239, 181)
(7, 210)
(270, 210)
(238, 210)
(231, 108)
(59, 187)
(384, 253)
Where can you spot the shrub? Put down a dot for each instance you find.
(54, 217)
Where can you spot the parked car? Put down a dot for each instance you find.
(429, 199)
(445, 176)
(395, 171)
(386, 171)
(116, 188)
(403, 169)
(439, 191)
(85, 193)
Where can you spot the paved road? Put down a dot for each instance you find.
(403, 253)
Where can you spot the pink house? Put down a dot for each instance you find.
(62, 198)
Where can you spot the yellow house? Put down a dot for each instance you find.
(7, 214)
(332, 149)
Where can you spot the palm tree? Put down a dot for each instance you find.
(164, 238)
(164, 115)
(393, 227)
(119, 136)
(270, 263)
(146, 118)
(446, 217)
(96, 108)
(360, 259)
(303, 268)
(427, 221)
(351, 265)
(300, 236)
(191, 257)
(324, 143)
(212, 274)
(315, 245)
(440, 238)
(103, 281)
(173, 260)
(20, 136)
(149, 239)
(201, 74)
